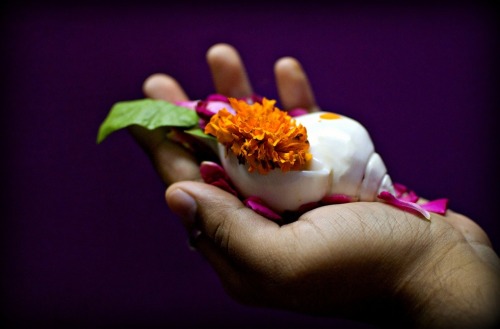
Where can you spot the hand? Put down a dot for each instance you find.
(175, 163)
(366, 261)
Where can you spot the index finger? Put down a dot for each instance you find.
(172, 161)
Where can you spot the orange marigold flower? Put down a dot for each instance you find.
(261, 135)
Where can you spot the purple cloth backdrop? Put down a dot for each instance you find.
(88, 239)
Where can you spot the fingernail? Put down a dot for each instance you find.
(183, 205)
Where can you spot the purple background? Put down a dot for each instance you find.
(88, 239)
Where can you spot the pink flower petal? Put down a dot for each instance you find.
(439, 206)
(214, 107)
(391, 199)
(336, 198)
(400, 189)
(309, 206)
(202, 123)
(214, 174)
(217, 98)
(257, 205)
(404, 193)
(297, 112)
(254, 98)
(224, 185)
(211, 171)
(189, 104)
(409, 196)
(207, 109)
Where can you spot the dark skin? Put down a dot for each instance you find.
(366, 261)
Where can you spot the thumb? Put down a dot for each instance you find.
(219, 216)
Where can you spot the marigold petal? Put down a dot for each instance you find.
(261, 136)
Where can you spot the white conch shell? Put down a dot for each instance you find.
(344, 162)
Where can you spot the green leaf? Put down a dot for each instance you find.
(197, 132)
(147, 113)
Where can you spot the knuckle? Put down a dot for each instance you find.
(222, 234)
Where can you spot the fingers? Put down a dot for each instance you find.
(293, 85)
(228, 72)
(172, 161)
(230, 78)
(238, 232)
(175, 163)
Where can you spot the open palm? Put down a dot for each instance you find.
(363, 260)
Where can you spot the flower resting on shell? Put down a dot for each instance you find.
(261, 135)
(345, 166)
